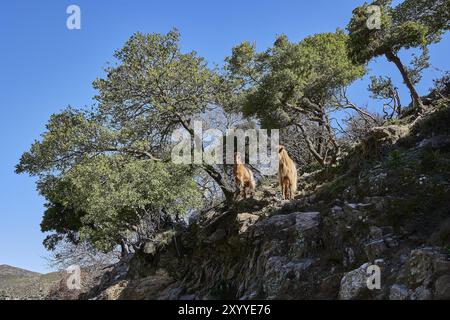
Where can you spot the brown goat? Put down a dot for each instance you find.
(243, 177)
(287, 174)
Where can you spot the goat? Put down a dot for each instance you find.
(287, 174)
(243, 177)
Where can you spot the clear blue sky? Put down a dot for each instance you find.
(44, 67)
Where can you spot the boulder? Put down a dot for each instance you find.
(399, 292)
(442, 287)
(354, 284)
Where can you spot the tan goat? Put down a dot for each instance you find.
(243, 177)
(287, 174)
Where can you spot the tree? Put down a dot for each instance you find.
(382, 88)
(291, 83)
(155, 89)
(434, 14)
(105, 171)
(83, 254)
(98, 191)
(412, 24)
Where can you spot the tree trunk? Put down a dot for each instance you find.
(124, 249)
(213, 173)
(311, 147)
(217, 177)
(417, 102)
(336, 146)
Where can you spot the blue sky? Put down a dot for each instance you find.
(44, 67)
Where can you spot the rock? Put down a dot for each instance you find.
(365, 206)
(245, 220)
(387, 230)
(349, 257)
(113, 292)
(399, 292)
(441, 265)
(375, 232)
(147, 288)
(427, 268)
(337, 211)
(378, 203)
(435, 142)
(389, 134)
(380, 262)
(218, 235)
(283, 224)
(306, 220)
(442, 287)
(160, 241)
(188, 297)
(421, 293)
(420, 265)
(350, 206)
(354, 284)
(375, 249)
(282, 277)
(306, 234)
(391, 242)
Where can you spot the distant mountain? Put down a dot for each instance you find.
(17, 283)
(9, 271)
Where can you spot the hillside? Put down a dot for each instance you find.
(16, 283)
(9, 271)
(386, 204)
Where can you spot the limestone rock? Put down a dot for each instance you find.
(354, 284)
(442, 287)
(399, 292)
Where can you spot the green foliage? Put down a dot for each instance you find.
(70, 137)
(154, 84)
(367, 43)
(418, 64)
(101, 199)
(381, 87)
(108, 195)
(103, 171)
(290, 77)
(412, 24)
(434, 14)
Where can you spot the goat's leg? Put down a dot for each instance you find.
(241, 188)
(238, 188)
(288, 190)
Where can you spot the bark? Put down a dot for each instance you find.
(417, 102)
(124, 248)
(310, 145)
(209, 169)
(218, 178)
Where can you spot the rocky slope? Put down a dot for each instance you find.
(387, 205)
(20, 284)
